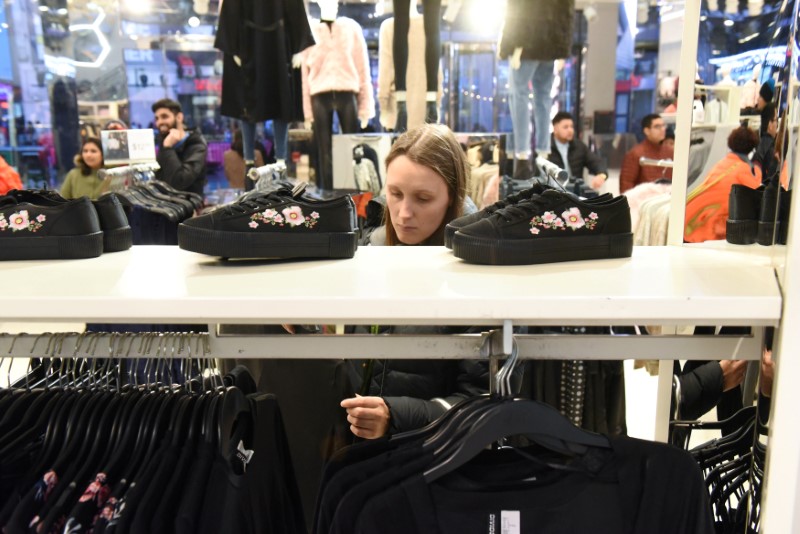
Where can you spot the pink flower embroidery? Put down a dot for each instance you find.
(558, 223)
(41, 218)
(294, 215)
(573, 218)
(593, 216)
(269, 214)
(548, 217)
(253, 224)
(534, 230)
(19, 220)
(278, 219)
(314, 215)
(3, 224)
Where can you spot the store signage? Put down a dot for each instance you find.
(207, 84)
(121, 147)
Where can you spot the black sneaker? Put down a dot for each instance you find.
(281, 224)
(744, 205)
(31, 230)
(538, 188)
(117, 234)
(767, 214)
(550, 227)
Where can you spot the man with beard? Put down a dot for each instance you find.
(181, 152)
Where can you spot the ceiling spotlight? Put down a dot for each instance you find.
(194, 22)
(728, 23)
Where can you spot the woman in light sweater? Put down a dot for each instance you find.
(82, 181)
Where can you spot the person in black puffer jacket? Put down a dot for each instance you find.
(426, 175)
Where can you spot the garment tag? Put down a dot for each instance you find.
(509, 522)
(244, 455)
(298, 189)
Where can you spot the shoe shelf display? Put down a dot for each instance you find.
(396, 285)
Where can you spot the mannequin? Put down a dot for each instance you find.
(255, 86)
(404, 10)
(416, 75)
(750, 89)
(336, 78)
(532, 44)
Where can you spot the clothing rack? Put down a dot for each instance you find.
(123, 177)
(666, 163)
(365, 346)
(552, 171)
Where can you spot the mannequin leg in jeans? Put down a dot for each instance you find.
(322, 106)
(248, 150)
(542, 102)
(280, 128)
(400, 57)
(519, 80)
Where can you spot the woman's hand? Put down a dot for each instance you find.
(368, 416)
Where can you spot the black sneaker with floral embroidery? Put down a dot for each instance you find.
(281, 224)
(548, 228)
(31, 230)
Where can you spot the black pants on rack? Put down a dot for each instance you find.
(431, 12)
(323, 105)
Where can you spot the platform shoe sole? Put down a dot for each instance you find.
(242, 245)
(493, 251)
(52, 247)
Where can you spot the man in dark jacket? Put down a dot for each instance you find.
(571, 154)
(181, 152)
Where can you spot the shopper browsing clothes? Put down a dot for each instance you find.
(181, 151)
(632, 172)
(426, 174)
(82, 181)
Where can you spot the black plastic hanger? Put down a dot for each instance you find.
(540, 422)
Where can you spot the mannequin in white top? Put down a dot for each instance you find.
(431, 13)
(750, 89)
(415, 96)
(336, 79)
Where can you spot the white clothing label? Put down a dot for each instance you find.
(509, 522)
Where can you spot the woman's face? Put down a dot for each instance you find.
(417, 199)
(92, 155)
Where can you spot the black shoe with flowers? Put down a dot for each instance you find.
(548, 228)
(281, 224)
(32, 230)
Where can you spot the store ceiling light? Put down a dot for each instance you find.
(138, 6)
(44, 9)
(94, 27)
(728, 23)
(194, 22)
(748, 38)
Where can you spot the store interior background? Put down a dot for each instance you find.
(69, 67)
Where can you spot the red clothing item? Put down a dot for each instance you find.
(9, 178)
(633, 174)
(707, 206)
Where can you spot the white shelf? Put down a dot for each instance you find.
(394, 285)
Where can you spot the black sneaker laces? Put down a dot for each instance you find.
(536, 205)
(257, 200)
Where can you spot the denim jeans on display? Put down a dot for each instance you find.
(541, 74)
(248, 140)
(280, 128)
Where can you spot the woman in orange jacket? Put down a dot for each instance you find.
(707, 205)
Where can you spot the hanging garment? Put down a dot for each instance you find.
(366, 177)
(338, 63)
(263, 35)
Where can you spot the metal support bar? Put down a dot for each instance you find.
(394, 346)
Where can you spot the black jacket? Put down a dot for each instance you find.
(579, 156)
(184, 167)
(409, 387)
(542, 28)
(264, 36)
